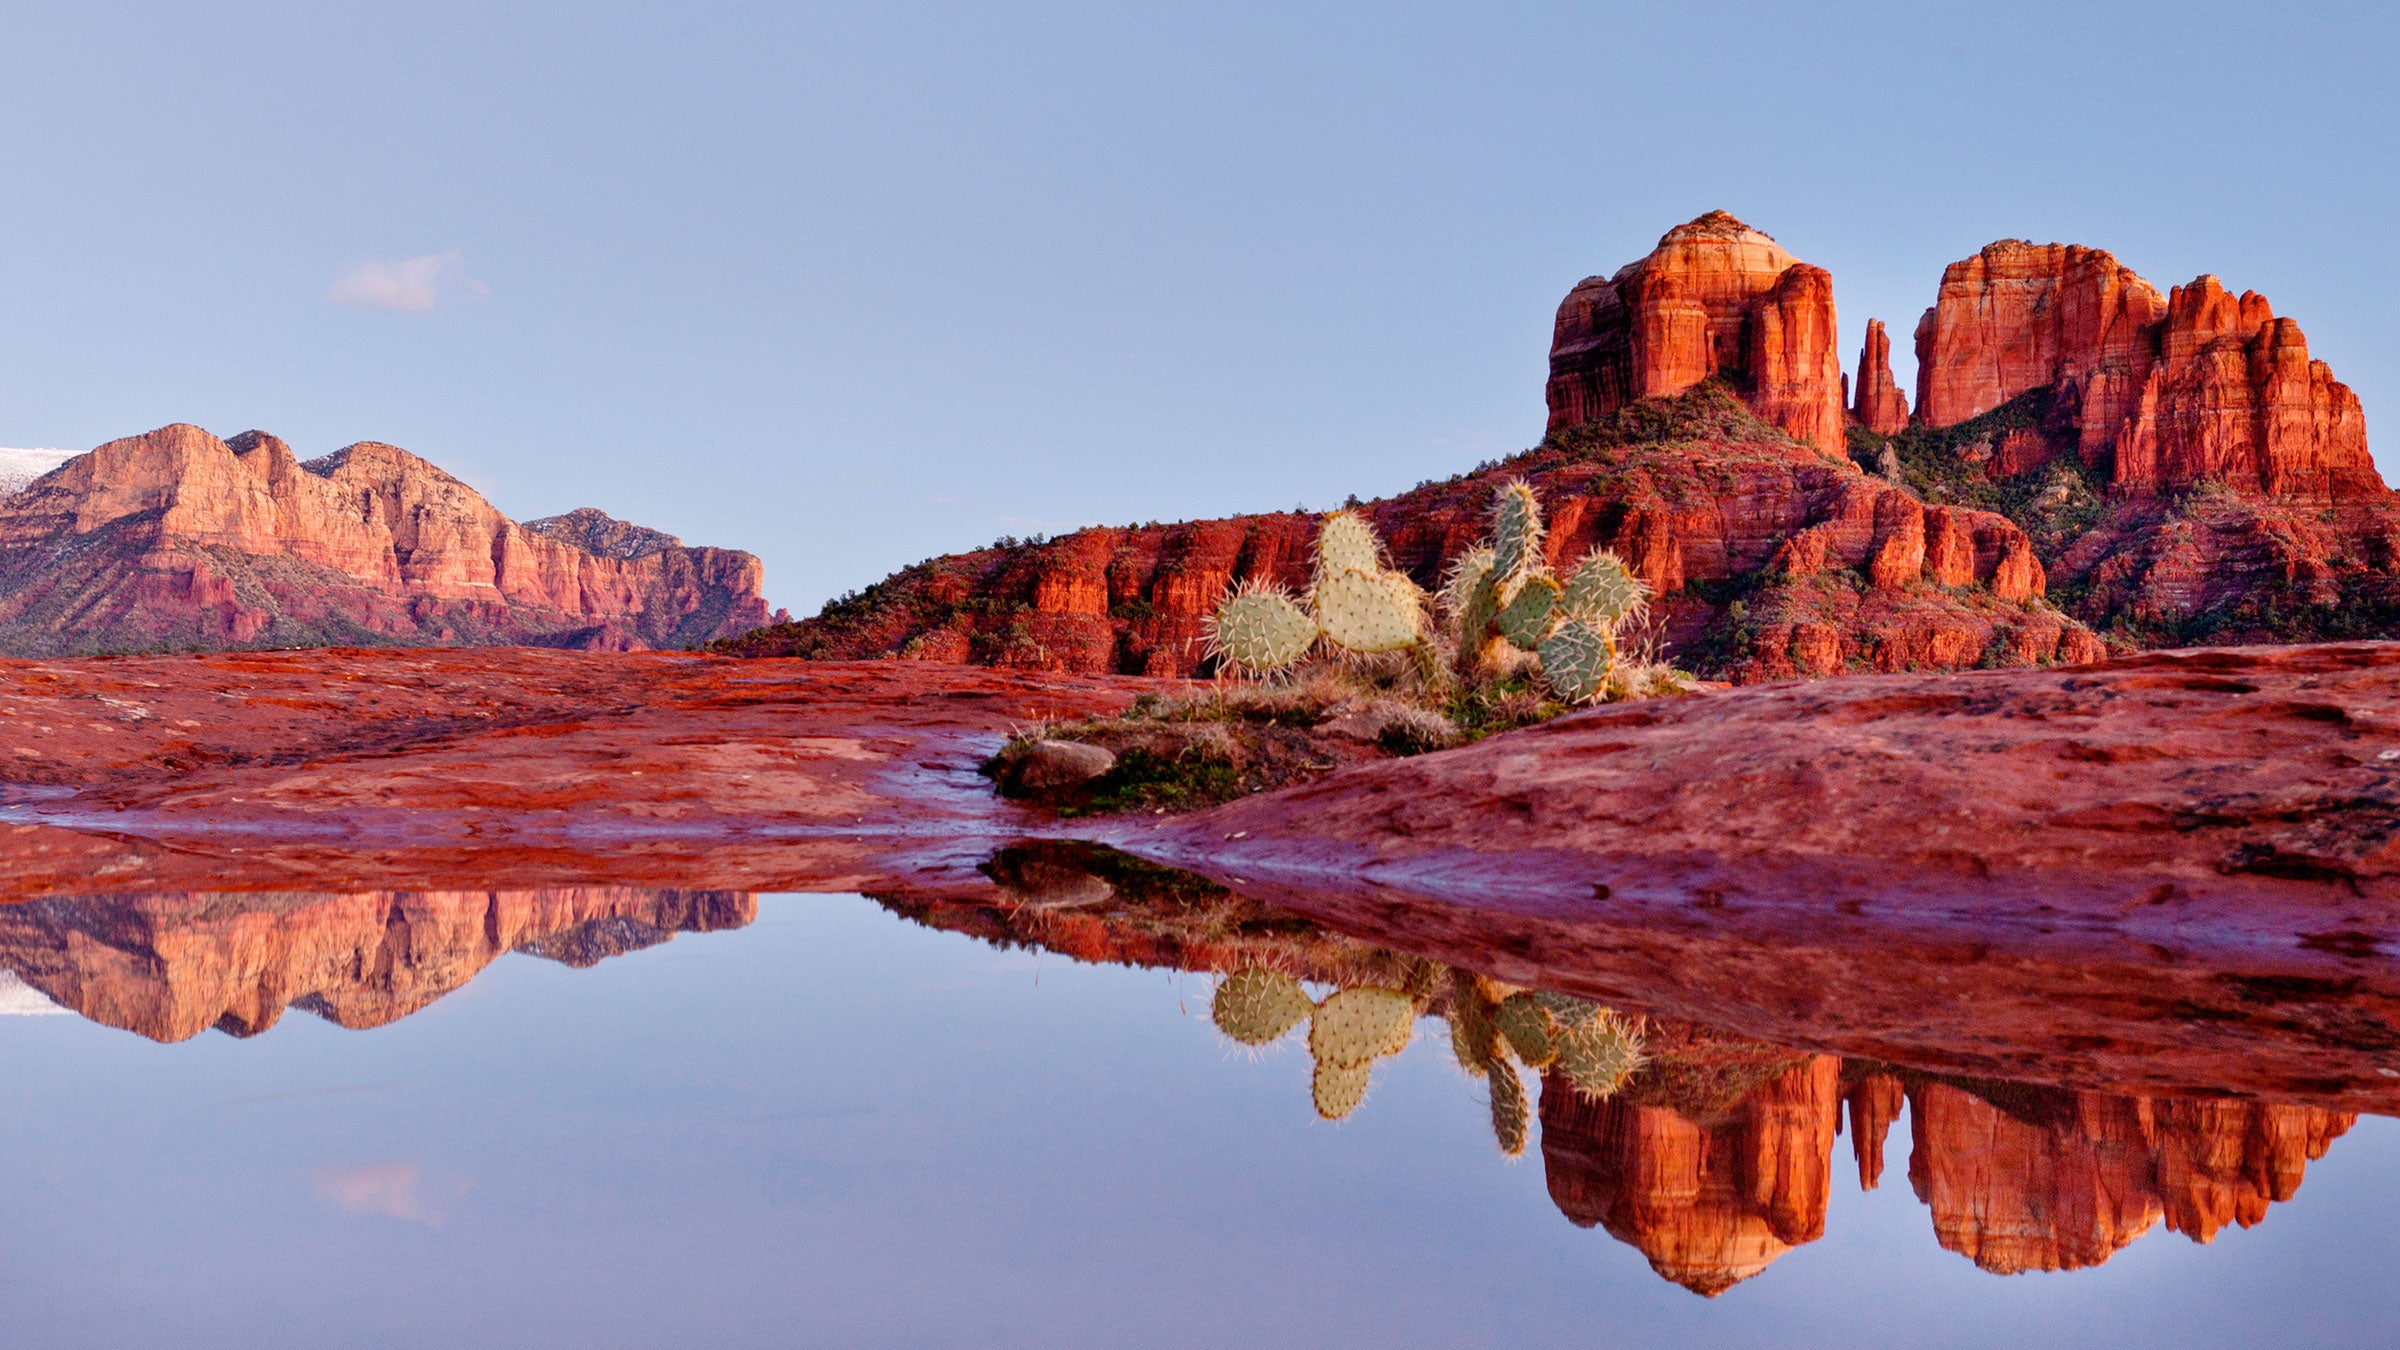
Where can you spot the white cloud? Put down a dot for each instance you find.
(394, 1190)
(409, 285)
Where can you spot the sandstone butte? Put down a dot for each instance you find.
(1714, 298)
(2195, 473)
(178, 540)
(2086, 457)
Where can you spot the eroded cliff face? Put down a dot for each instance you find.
(176, 539)
(1714, 298)
(2015, 1177)
(172, 966)
(2156, 392)
(2188, 471)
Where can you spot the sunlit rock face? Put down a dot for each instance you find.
(2161, 391)
(2061, 1180)
(175, 539)
(1709, 1204)
(172, 966)
(1715, 297)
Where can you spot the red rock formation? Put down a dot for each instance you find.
(2199, 386)
(176, 538)
(172, 966)
(1715, 295)
(1722, 506)
(1710, 1206)
(2235, 398)
(2069, 1178)
(1881, 407)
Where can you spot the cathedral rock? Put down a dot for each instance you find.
(1714, 298)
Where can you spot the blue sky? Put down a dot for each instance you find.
(847, 285)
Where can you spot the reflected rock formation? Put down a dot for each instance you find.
(172, 966)
(1716, 1155)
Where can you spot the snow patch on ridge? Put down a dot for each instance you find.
(19, 999)
(19, 468)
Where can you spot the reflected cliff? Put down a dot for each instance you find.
(1710, 1152)
(172, 966)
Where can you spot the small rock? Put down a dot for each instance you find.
(1047, 770)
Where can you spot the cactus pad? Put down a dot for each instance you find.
(1525, 619)
(1472, 1038)
(1346, 543)
(1256, 1006)
(1516, 530)
(1603, 591)
(1509, 1113)
(1337, 1089)
(1359, 612)
(1523, 1021)
(1356, 1026)
(1259, 631)
(1577, 659)
(1598, 1053)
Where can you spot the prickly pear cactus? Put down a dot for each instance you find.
(1337, 1089)
(1256, 1006)
(1525, 619)
(1357, 1026)
(1259, 631)
(1521, 1019)
(1510, 1115)
(1577, 659)
(1516, 531)
(1359, 612)
(1598, 1053)
(1603, 591)
(1472, 1037)
(1346, 543)
(1471, 598)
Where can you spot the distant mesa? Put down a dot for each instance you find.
(169, 967)
(176, 540)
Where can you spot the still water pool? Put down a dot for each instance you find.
(823, 1123)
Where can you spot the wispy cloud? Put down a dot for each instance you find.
(393, 1190)
(409, 285)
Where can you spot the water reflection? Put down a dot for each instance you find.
(172, 966)
(1711, 1153)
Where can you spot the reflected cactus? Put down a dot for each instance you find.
(1359, 1026)
(1337, 1089)
(1510, 1114)
(1526, 1025)
(1256, 1006)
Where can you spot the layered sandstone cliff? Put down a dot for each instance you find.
(2188, 471)
(178, 540)
(2157, 392)
(1715, 298)
(172, 966)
